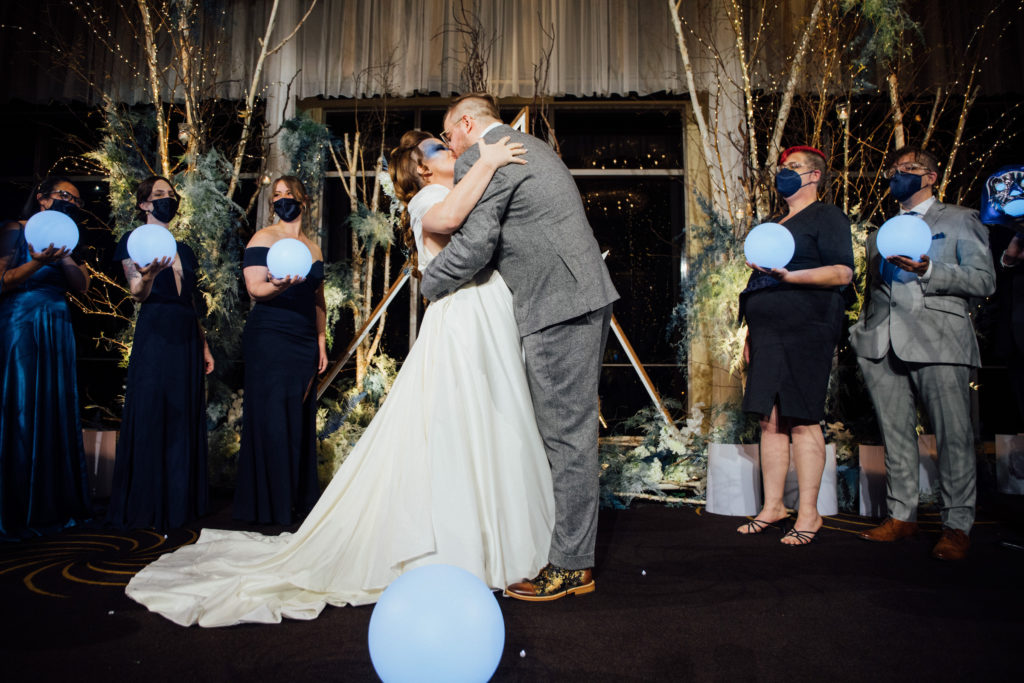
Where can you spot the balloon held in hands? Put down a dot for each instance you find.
(769, 245)
(289, 258)
(51, 227)
(904, 235)
(151, 242)
(436, 623)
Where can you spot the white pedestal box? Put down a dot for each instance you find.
(734, 479)
(1010, 463)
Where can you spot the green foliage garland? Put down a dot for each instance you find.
(708, 305)
(125, 151)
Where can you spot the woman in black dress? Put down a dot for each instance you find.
(794, 319)
(284, 345)
(160, 471)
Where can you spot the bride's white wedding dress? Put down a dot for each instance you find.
(451, 470)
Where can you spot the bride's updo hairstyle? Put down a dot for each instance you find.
(404, 169)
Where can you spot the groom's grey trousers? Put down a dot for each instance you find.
(563, 366)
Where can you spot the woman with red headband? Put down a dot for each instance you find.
(794, 319)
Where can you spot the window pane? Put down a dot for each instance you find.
(620, 139)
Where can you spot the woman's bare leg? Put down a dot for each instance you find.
(774, 466)
(809, 456)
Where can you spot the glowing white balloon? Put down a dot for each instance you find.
(904, 235)
(289, 257)
(51, 227)
(151, 242)
(769, 245)
(436, 623)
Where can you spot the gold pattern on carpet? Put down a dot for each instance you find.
(46, 565)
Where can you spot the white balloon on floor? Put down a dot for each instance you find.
(769, 245)
(904, 235)
(151, 242)
(436, 623)
(289, 257)
(51, 227)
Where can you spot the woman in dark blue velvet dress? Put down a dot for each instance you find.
(160, 471)
(43, 480)
(284, 347)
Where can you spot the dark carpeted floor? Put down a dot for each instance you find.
(680, 596)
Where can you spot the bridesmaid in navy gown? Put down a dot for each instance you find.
(43, 479)
(284, 347)
(160, 471)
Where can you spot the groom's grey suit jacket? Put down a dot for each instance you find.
(530, 225)
(929, 322)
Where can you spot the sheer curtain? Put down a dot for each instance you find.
(355, 48)
(350, 48)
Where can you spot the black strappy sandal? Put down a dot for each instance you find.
(804, 537)
(757, 526)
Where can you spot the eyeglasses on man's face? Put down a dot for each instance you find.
(67, 196)
(446, 135)
(907, 167)
(792, 166)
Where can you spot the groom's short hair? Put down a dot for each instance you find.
(477, 105)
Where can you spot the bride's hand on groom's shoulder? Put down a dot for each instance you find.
(502, 152)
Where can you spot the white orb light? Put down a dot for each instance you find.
(289, 258)
(151, 242)
(769, 245)
(904, 235)
(51, 227)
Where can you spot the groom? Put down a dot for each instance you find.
(531, 227)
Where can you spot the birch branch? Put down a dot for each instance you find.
(720, 199)
(736, 18)
(154, 86)
(787, 95)
(932, 119)
(250, 98)
(897, 112)
(969, 97)
(294, 30)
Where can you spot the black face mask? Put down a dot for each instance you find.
(287, 209)
(164, 209)
(67, 208)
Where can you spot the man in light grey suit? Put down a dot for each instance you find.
(915, 336)
(530, 225)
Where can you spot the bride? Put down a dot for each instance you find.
(452, 469)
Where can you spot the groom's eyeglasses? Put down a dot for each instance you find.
(446, 135)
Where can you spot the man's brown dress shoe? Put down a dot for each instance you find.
(890, 530)
(553, 583)
(952, 546)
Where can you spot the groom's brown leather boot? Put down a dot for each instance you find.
(553, 583)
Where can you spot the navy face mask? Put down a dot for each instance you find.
(788, 181)
(287, 209)
(903, 186)
(66, 208)
(164, 209)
